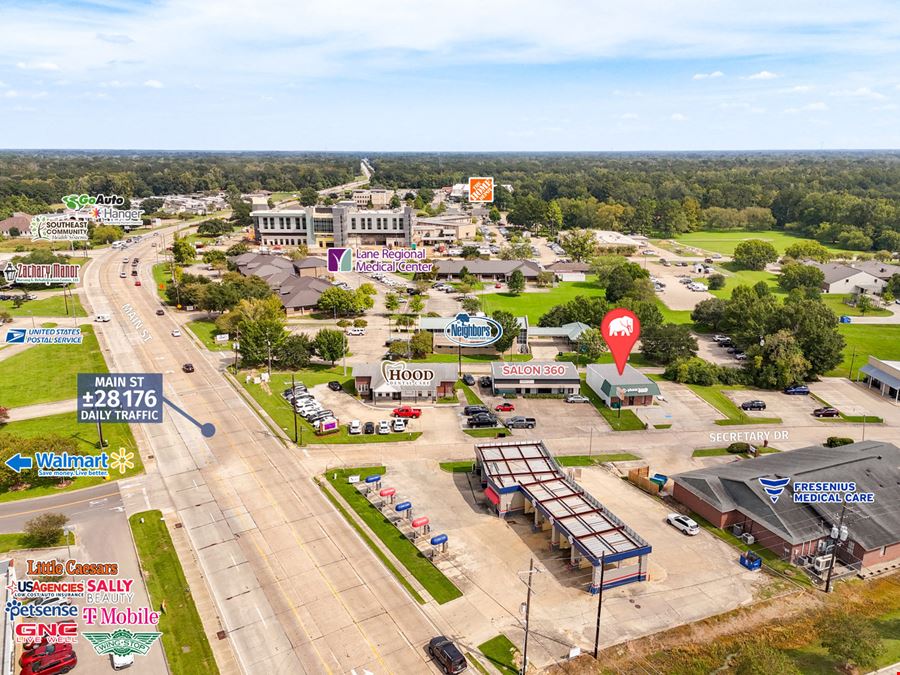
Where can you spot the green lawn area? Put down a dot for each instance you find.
(636, 359)
(183, 639)
(735, 276)
(473, 358)
(269, 398)
(734, 415)
(65, 424)
(457, 467)
(720, 452)
(438, 586)
(55, 305)
(205, 330)
(493, 432)
(673, 315)
(18, 541)
(471, 397)
(44, 373)
(619, 420)
(534, 304)
(162, 275)
(501, 652)
(564, 460)
(725, 242)
(835, 302)
(879, 340)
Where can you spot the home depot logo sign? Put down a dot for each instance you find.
(481, 189)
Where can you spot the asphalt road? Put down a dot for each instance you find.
(293, 586)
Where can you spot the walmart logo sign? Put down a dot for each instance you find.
(340, 260)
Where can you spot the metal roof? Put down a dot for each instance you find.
(584, 521)
(533, 370)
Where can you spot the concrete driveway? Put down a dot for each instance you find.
(793, 410)
(682, 408)
(853, 398)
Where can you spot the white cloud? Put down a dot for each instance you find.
(37, 65)
(887, 106)
(112, 84)
(817, 106)
(629, 116)
(153, 84)
(763, 75)
(14, 93)
(2, 84)
(707, 76)
(115, 38)
(678, 117)
(801, 89)
(860, 92)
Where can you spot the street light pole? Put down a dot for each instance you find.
(294, 406)
(599, 605)
(527, 615)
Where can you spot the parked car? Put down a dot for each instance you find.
(721, 338)
(577, 398)
(384, 427)
(485, 381)
(51, 601)
(121, 662)
(482, 420)
(188, 367)
(176, 333)
(407, 412)
(753, 405)
(42, 651)
(468, 379)
(334, 385)
(447, 655)
(369, 428)
(398, 425)
(356, 331)
(826, 412)
(740, 356)
(52, 664)
(506, 406)
(797, 390)
(474, 409)
(684, 524)
(355, 427)
(520, 422)
(321, 415)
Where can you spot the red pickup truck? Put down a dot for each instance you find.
(406, 411)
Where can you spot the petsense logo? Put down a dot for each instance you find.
(15, 608)
(473, 331)
(340, 260)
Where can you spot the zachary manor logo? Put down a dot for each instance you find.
(473, 331)
(340, 260)
(122, 642)
(42, 273)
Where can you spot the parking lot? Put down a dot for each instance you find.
(793, 410)
(682, 408)
(487, 554)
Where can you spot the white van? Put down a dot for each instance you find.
(102, 318)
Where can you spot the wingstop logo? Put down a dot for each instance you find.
(774, 487)
(340, 260)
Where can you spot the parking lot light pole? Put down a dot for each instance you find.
(294, 406)
(599, 605)
(527, 614)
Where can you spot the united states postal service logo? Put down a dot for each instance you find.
(481, 189)
(340, 260)
(15, 336)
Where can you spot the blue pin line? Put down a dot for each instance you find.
(208, 430)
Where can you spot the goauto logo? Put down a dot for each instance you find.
(15, 608)
(473, 331)
(398, 373)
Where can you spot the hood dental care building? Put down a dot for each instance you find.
(535, 377)
(396, 382)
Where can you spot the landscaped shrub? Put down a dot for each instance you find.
(837, 441)
(738, 448)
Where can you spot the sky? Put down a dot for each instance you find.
(468, 75)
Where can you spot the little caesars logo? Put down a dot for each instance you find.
(397, 373)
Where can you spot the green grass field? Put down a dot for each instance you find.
(837, 305)
(879, 340)
(721, 452)
(162, 276)
(85, 435)
(183, 638)
(18, 541)
(619, 420)
(493, 432)
(501, 652)
(564, 460)
(55, 305)
(280, 411)
(421, 568)
(714, 395)
(45, 373)
(474, 358)
(725, 242)
(205, 330)
(534, 304)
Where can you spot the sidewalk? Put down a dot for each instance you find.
(27, 412)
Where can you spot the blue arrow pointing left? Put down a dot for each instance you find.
(17, 463)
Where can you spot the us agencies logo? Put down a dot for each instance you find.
(473, 331)
(340, 260)
(122, 642)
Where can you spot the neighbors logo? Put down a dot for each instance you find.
(122, 642)
(481, 189)
(473, 331)
(817, 492)
(340, 260)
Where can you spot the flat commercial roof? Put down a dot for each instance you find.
(534, 370)
(590, 526)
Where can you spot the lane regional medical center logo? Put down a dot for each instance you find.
(406, 260)
(340, 260)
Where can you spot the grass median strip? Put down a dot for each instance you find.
(206, 332)
(183, 638)
(54, 305)
(471, 397)
(501, 652)
(592, 460)
(719, 452)
(619, 420)
(421, 568)
(19, 541)
(715, 396)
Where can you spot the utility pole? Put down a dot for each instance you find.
(591, 443)
(837, 544)
(100, 433)
(294, 406)
(269, 348)
(599, 605)
(852, 358)
(527, 614)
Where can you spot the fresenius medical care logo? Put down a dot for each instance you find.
(481, 189)
(774, 487)
(473, 331)
(340, 260)
(397, 373)
(122, 642)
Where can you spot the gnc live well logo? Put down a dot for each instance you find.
(340, 260)
(481, 189)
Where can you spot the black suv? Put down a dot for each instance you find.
(482, 420)
(485, 381)
(468, 379)
(753, 405)
(447, 655)
(475, 409)
(334, 385)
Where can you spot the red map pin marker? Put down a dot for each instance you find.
(621, 329)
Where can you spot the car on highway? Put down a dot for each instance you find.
(43, 650)
(384, 427)
(134, 272)
(334, 385)
(188, 367)
(102, 318)
(355, 427)
(797, 390)
(447, 655)
(176, 333)
(137, 282)
(506, 406)
(407, 412)
(827, 411)
(122, 275)
(577, 398)
(684, 524)
(126, 260)
(468, 380)
(52, 664)
(369, 428)
(160, 312)
(519, 422)
(753, 405)
(356, 331)
(398, 425)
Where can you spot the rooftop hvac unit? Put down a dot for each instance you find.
(748, 538)
(737, 529)
(821, 563)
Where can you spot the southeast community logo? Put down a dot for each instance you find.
(481, 189)
(473, 331)
(60, 227)
(340, 260)
(122, 642)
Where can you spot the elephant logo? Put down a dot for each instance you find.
(621, 326)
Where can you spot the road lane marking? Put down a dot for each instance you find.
(57, 506)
